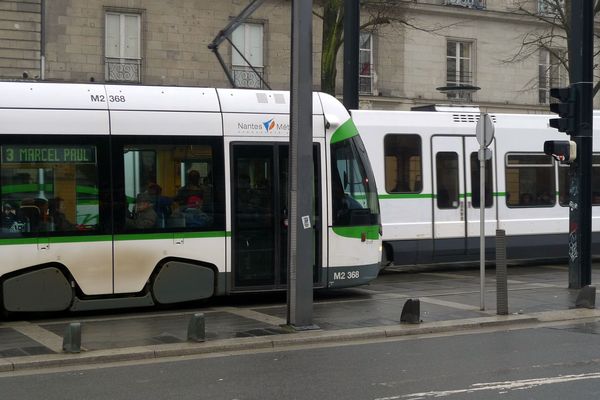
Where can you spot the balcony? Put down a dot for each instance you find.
(245, 77)
(475, 4)
(122, 70)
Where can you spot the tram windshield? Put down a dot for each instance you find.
(353, 186)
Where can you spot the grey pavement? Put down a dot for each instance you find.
(449, 300)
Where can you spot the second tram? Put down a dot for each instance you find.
(427, 173)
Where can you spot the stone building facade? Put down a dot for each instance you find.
(165, 42)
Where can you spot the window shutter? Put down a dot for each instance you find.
(237, 38)
(113, 27)
(132, 36)
(254, 45)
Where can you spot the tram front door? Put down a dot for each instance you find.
(259, 188)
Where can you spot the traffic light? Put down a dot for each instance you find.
(566, 109)
(561, 150)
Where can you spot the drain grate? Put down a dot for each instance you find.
(261, 332)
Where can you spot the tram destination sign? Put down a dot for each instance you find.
(23, 154)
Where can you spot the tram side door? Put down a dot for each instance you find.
(449, 195)
(259, 209)
(472, 178)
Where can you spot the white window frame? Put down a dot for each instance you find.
(551, 73)
(459, 74)
(243, 74)
(366, 77)
(123, 67)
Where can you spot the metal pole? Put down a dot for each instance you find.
(580, 171)
(351, 44)
(482, 222)
(301, 234)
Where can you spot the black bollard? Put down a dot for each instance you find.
(501, 274)
(586, 297)
(72, 338)
(411, 312)
(196, 328)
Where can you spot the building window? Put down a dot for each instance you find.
(247, 64)
(365, 59)
(459, 68)
(403, 171)
(551, 73)
(530, 180)
(551, 7)
(123, 58)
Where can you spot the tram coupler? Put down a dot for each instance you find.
(411, 312)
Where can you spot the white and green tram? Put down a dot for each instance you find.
(80, 163)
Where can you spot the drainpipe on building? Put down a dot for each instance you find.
(42, 40)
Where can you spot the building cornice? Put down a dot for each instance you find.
(469, 13)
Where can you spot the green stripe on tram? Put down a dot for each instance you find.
(47, 187)
(394, 196)
(171, 235)
(55, 239)
(345, 131)
(397, 196)
(355, 232)
(108, 238)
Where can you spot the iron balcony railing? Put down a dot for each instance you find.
(123, 70)
(245, 77)
(477, 4)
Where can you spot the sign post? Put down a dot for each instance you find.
(485, 134)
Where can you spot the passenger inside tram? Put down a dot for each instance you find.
(143, 216)
(57, 217)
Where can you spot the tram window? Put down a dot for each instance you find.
(447, 180)
(169, 187)
(489, 182)
(563, 182)
(530, 180)
(403, 170)
(48, 188)
(354, 197)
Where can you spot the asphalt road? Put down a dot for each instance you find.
(557, 362)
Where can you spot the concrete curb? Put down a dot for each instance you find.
(280, 342)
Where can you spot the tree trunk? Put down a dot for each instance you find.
(333, 26)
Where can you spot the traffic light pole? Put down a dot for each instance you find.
(580, 172)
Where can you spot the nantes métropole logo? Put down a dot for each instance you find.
(269, 125)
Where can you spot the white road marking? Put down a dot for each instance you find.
(451, 304)
(557, 267)
(255, 315)
(40, 335)
(497, 386)
(443, 275)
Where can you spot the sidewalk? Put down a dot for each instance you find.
(449, 301)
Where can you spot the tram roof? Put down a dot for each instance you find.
(72, 96)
